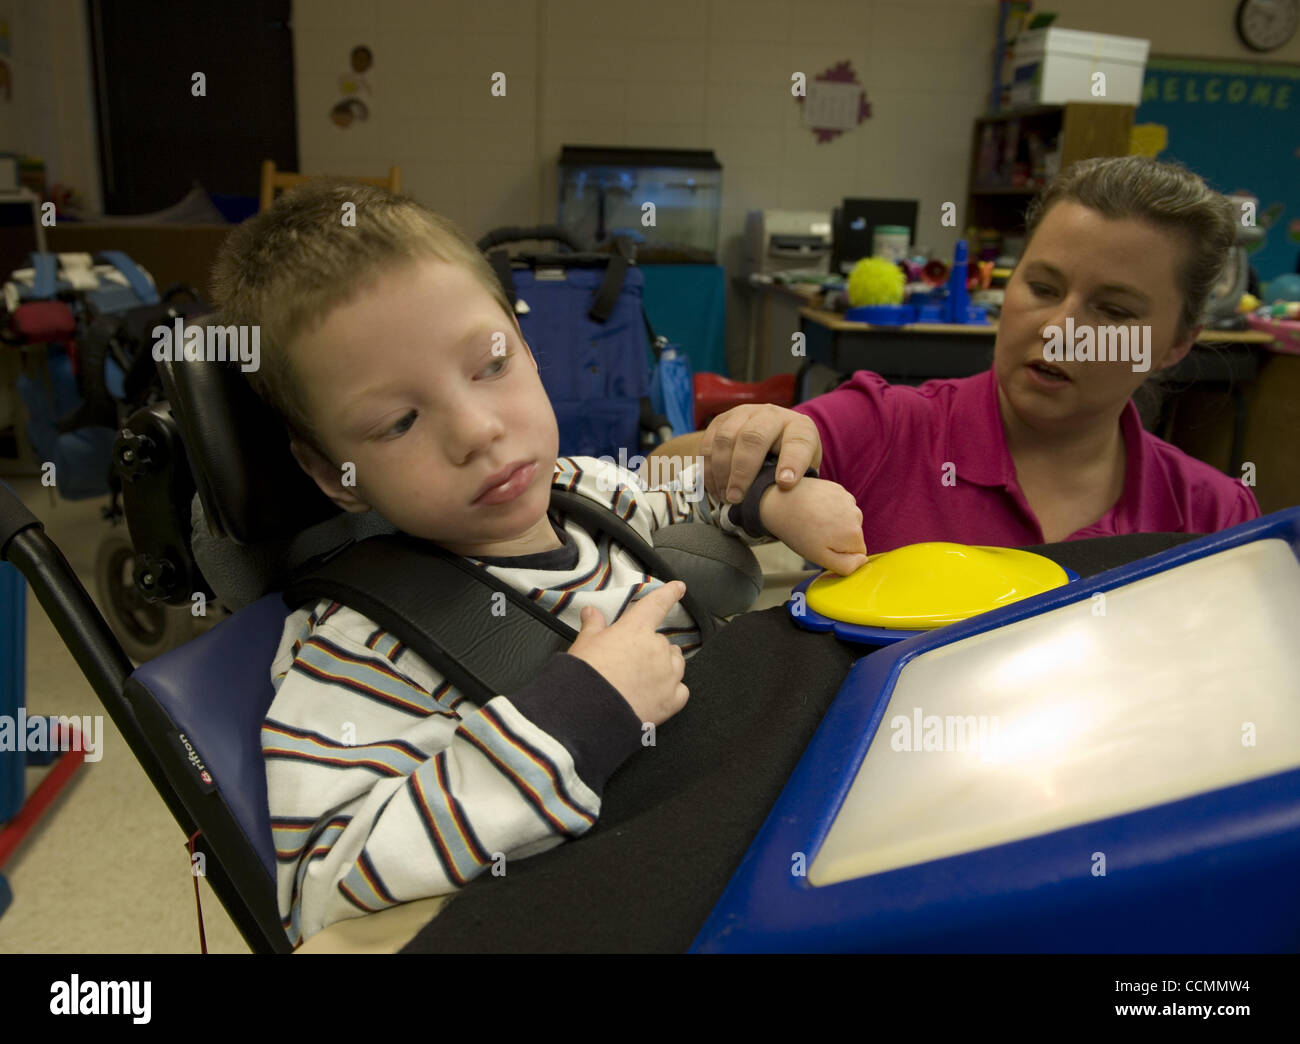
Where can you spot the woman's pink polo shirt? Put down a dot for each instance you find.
(888, 445)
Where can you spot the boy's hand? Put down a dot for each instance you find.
(644, 666)
(818, 519)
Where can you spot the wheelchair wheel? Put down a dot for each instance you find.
(145, 629)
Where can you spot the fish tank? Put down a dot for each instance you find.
(603, 192)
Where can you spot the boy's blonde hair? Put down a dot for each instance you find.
(1167, 195)
(287, 268)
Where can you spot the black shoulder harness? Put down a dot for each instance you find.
(434, 601)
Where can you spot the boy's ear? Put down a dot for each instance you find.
(327, 477)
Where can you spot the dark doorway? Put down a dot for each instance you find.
(156, 137)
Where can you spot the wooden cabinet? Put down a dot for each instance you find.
(1014, 153)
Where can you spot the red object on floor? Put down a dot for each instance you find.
(715, 394)
(40, 799)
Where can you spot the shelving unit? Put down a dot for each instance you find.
(999, 193)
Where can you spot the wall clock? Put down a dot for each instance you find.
(1265, 25)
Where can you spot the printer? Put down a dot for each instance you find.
(788, 241)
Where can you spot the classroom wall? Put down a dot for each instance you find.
(676, 73)
(26, 123)
(51, 110)
(1183, 28)
(685, 73)
(680, 73)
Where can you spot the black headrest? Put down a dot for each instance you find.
(248, 482)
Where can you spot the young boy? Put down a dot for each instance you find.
(391, 352)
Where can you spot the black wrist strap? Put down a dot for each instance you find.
(745, 514)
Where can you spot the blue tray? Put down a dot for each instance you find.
(1211, 872)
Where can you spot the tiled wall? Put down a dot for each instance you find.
(679, 73)
(27, 113)
(50, 109)
(685, 73)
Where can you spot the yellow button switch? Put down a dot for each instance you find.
(923, 586)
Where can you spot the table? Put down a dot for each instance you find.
(918, 352)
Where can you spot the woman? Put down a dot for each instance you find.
(1030, 451)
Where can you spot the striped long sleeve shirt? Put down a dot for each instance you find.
(387, 785)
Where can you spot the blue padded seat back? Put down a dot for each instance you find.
(217, 690)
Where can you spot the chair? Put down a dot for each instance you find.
(715, 394)
(284, 179)
(212, 460)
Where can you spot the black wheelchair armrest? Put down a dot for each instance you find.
(719, 570)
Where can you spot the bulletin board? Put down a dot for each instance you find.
(1237, 124)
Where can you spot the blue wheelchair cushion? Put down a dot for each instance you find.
(217, 689)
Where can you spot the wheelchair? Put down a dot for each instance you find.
(98, 371)
(220, 515)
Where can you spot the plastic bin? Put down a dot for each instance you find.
(1057, 65)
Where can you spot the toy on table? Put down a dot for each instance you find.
(1278, 315)
(875, 281)
(935, 273)
(950, 304)
(919, 269)
(983, 278)
(1285, 332)
(899, 593)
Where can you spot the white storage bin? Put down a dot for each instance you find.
(1057, 65)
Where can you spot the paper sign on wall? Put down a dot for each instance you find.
(832, 106)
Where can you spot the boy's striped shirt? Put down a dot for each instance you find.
(387, 785)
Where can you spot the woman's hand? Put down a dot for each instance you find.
(736, 442)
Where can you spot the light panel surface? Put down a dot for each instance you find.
(1176, 684)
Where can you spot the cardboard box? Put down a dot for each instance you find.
(1053, 66)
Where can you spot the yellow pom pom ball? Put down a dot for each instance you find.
(875, 281)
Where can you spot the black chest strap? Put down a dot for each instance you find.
(481, 634)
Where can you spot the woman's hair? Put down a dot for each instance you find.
(287, 268)
(1167, 195)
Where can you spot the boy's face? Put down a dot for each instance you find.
(425, 385)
